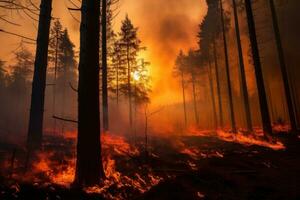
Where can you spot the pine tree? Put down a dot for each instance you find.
(117, 70)
(54, 52)
(130, 43)
(66, 72)
(192, 63)
(35, 130)
(89, 167)
(264, 110)
(242, 70)
(283, 67)
(227, 67)
(179, 70)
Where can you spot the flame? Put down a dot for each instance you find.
(241, 138)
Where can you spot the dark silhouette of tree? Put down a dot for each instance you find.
(212, 93)
(131, 45)
(231, 108)
(266, 122)
(56, 32)
(192, 63)
(218, 84)
(66, 73)
(104, 65)
(180, 71)
(244, 89)
(118, 69)
(35, 130)
(89, 168)
(210, 31)
(283, 67)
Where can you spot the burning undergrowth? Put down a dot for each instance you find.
(55, 165)
(244, 138)
(131, 168)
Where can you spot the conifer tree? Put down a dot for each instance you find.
(129, 43)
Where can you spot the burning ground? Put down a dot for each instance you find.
(199, 165)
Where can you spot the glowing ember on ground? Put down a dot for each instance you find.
(249, 140)
(241, 138)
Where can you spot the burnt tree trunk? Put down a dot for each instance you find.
(183, 97)
(129, 88)
(267, 127)
(35, 129)
(242, 71)
(231, 108)
(213, 101)
(104, 66)
(195, 100)
(89, 168)
(283, 67)
(218, 86)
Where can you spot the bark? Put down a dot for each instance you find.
(231, 108)
(218, 86)
(129, 88)
(184, 101)
(55, 79)
(213, 101)
(267, 127)
(244, 90)
(117, 79)
(283, 67)
(35, 129)
(195, 100)
(104, 67)
(89, 168)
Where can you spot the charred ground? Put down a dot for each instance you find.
(181, 167)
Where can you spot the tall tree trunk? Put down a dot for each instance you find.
(273, 116)
(129, 89)
(267, 127)
(283, 67)
(218, 86)
(55, 80)
(183, 97)
(231, 108)
(104, 67)
(35, 129)
(242, 71)
(195, 100)
(89, 168)
(213, 101)
(117, 80)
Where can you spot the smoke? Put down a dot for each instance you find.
(165, 27)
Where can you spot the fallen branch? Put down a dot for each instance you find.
(66, 120)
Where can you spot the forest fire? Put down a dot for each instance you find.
(99, 102)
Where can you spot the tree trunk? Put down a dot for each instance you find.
(213, 101)
(89, 168)
(129, 89)
(267, 127)
(104, 67)
(195, 100)
(117, 77)
(183, 96)
(35, 129)
(242, 71)
(231, 108)
(218, 86)
(283, 67)
(55, 80)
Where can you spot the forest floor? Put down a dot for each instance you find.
(183, 167)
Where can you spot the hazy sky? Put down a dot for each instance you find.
(165, 26)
